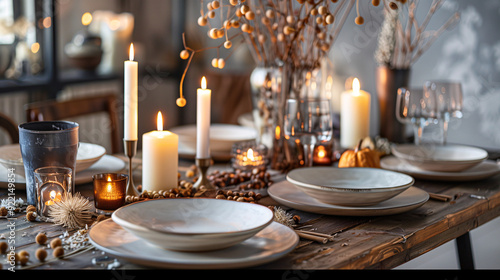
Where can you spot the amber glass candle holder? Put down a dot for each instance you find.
(109, 192)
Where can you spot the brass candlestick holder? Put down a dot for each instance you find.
(130, 147)
(203, 164)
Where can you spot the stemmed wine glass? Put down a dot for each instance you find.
(449, 102)
(416, 107)
(310, 121)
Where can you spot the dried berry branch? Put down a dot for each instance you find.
(296, 32)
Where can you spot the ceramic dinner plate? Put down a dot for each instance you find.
(271, 243)
(105, 165)
(483, 170)
(441, 158)
(289, 195)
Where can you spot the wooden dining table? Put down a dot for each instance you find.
(359, 242)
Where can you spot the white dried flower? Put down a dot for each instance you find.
(387, 38)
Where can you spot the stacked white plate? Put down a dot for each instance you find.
(441, 162)
(349, 186)
(194, 233)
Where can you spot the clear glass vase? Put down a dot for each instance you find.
(271, 87)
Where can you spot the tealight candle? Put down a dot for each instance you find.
(322, 155)
(109, 191)
(354, 115)
(247, 157)
(51, 185)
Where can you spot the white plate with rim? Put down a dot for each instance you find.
(271, 243)
(107, 164)
(87, 155)
(222, 137)
(355, 186)
(443, 158)
(483, 170)
(289, 195)
(193, 224)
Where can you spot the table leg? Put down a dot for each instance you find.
(464, 248)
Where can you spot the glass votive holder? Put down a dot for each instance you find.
(51, 183)
(323, 155)
(109, 192)
(248, 155)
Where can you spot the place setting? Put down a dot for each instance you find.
(436, 103)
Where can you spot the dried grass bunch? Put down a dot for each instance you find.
(296, 32)
(403, 39)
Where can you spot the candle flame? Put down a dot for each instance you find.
(86, 18)
(355, 85)
(203, 83)
(321, 152)
(250, 154)
(109, 178)
(159, 122)
(131, 52)
(52, 195)
(277, 132)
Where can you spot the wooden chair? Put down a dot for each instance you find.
(65, 110)
(10, 126)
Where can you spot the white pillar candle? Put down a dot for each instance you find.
(130, 107)
(160, 158)
(203, 121)
(354, 116)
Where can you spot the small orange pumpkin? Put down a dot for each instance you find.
(358, 157)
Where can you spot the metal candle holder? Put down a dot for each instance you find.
(130, 147)
(203, 164)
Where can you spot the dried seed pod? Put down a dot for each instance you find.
(181, 102)
(58, 252)
(270, 13)
(202, 21)
(375, 2)
(215, 4)
(244, 9)
(322, 10)
(41, 254)
(250, 15)
(184, 54)
(359, 20)
(211, 14)
(41, 238)
(329, 19)
(30, 208)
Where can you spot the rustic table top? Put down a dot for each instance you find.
(379, 242)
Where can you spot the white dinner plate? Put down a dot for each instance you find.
(271, 243)
(483, 170)
(289, 195)
(107, 164)
(443, 158)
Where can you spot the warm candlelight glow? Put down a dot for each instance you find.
(356, 86)
(250, 154)
(131, 52)
(203, 83)
(277, 132)
(86, 18)
(159, 122)
(35, 47)
(321, 152)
